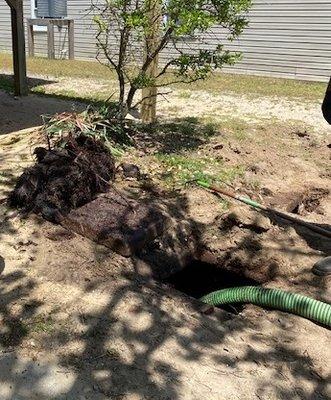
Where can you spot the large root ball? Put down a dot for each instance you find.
(63, 179)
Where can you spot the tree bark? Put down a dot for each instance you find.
(149, 94)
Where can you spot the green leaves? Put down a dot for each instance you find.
(198, 66)
(101, 23)
(143, 29)
(143, 80)
(95, 123)
(135, 19)
(190, 21)
(197, 16)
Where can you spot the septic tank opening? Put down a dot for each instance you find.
(199, 278)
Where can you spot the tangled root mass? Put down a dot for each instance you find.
(64, 178)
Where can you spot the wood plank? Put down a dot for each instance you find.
(30, 40)
(18, 43)
(50, 41)
(45, 21)
(71, 39)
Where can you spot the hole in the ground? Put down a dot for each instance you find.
(309, 202)
(200, 278)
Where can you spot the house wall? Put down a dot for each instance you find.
(285, 38)
(289, 38)
(85, 47)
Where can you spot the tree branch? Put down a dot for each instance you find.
(148, 97)
(163, 42)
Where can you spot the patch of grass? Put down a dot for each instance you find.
(180, 134)
(18, 329)
(57, 68)
(179, 169)
(219, 82)
(173, 109)
(96, 98)
(41, 324)
(254, 184)
(99, 96)
(191, 126)
(186, 94)
(40, 90)
(263, 86)
(238, 127)
(6, 83)
(210, 129)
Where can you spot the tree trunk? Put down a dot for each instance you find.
(149, 94)
(130, 96)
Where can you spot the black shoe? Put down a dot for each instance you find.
(322, 267)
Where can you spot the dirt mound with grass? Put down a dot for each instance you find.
(64, 178)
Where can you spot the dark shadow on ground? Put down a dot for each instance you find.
(117, 359)
(7, 82)
(36, 87)
(2, 264)
(14, 329)
(177, 135)
(314, 240)
(26, 112)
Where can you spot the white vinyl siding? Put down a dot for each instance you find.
(290, 39)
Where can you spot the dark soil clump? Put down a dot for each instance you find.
(310, 201)
(64, 178)
(313, 199)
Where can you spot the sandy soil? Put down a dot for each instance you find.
(28, 111)
(79, 322)
(251, 109)
(184, 103)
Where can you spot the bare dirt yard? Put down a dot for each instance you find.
(78, 321)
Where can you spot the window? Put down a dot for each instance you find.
(34, 9)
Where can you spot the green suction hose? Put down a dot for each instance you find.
(274, 298)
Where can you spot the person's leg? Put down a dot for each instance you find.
(326, 106)
(323, 266)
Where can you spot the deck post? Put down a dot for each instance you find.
(71, 39)
(30, 39)
(50, 40)
(18, 44)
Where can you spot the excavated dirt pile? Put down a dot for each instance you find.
(64, 178)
